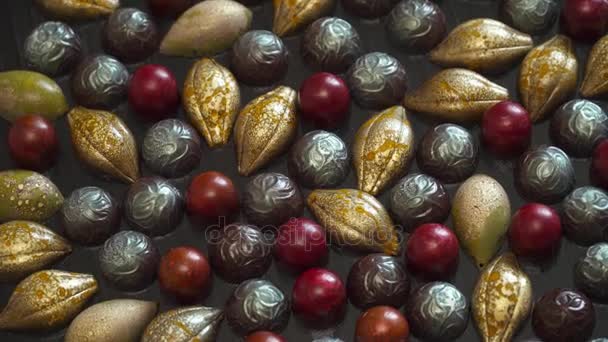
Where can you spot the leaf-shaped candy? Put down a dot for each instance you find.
(265, 128)
(595, 82)
(502, 299)
(78, 9)
(47, 300)
(355, 219)
(206, 29)
(456, 95)
(197, 323)
(382, 149)
(292, 15)
(484, 45)
(26, 92)
(27, 195)
(103, 141)
(548, 76)
(212, 100)
(27, 247)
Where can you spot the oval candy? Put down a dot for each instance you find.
(27, 195)
(197, 323)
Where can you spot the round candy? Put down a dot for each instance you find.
(153, 206)
(369, 8)
(599, 165)
(264, 336)
(448, 152)
(130, 34)
(32, 142)
(100, 82)
(300, 243)
(169, 8)
(211, 195)
(432, 250)
(184, 272)
(319, 159)
(319, 296)
(129, 260)
(416, 25)
(153, 92)
(259, 58)
(240, 252)
(377, 80)
(585, 20)
(171, 148)
(377, 279)
(585, 215)
(530, 16)
(257, 305)
(382, 323)
(331, 44)
(563, 315)
(52, 48)
(591, 272)
(535, 231)
(438, 311)
(90, 215)
(506, 129)
(419, 199)
(324, 100)
(544, 174)
(270, 199)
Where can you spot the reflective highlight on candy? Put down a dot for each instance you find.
(52, 48)
(595, 81)
(292, 15)
(530, 16)
(259, 58)
(78, 9)
(27, 195)
(578, 126)
(416, 25)
(100, 82)
(197, 323)
(585, 215)
(591, 272)
(131, 35)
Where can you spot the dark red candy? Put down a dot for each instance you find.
(382, 323)
(506, 129)
(319, 297)
(324, 100)
(535, 231)
(585, 20)
(211, 195)
(153, 92)
(32, 142)
(300, 243)
(184, 272)
(432, 251)
(599, 165)
(264, 336)
(169, 8)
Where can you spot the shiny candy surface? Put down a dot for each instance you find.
(130, 34)
(382, 323)
(591, 272)
(264, 336)
(594, 82)
(27, 195)
(535, 231)
(291, 16)
(185, 273)
(78, 10)
(530, 16)
(301, 243)
(212, 195)
(416, 25)
(196, 323)
(506, 129)
(585, 215)
(100, 81)
(52, 48)
(324, 100)
(369, 8)
(585, 20)
(432, 251)
(319, 297)
(153, 92)
(33, 142)
(260, 58)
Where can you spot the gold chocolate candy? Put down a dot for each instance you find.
(455, 95)
(103, 141)
(212, 100)
(27, 247)
(483, 45)
(548, 76)
(197, 323)
(292, 15)
(481, 213)
(78, 9)
(27, 195)
(355, 219)
(595, 82)
(121, 320)
(502, 299)
(265, 128)
(382, 149)
(47, 300)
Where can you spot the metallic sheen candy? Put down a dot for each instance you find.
(185, 324)
(369, 8)
(319, 159)
(530, 16)
(591, 272)
(417, 199)
(438, 311)
(563, 315)
(129, 260)
(90, 215)
(100, 82)
(448, 152)
(331, 44)
(416, 25)
(52, 48)
(259, 58)
(131, 35)
(257, 305)
(270, 199)
(171, 148)
(377, 80)
(585, 215)
(153, 206)
(544, 174)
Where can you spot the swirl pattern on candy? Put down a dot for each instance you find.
(591, 272)
(100, 82)
(130, 34)
(52, 48)
(530, 16)
(260, 58)
(416, 25)
(585, 215)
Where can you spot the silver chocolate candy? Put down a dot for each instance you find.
(52, 48)
(585, 215)
(100, 82)
(591, 272)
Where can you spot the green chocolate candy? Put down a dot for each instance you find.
(27, 195)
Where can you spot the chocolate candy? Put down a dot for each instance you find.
(240, 252)
(259, 58)
(52, 48)
(331, 44)
(153, 206)
(438, 311)
(129, 260)
(90, 215)
(382, 323)
(319, 159)
(100, 82)
(416, 25)
(530, 16)
(171, 148)
(591, 272)
(270, 199)
(378, 279)
(257, 305)
(448, 152)
(544, 174)
(377, 80)
(369, 8)
(585, 215)
(419, 199)
(563, 315)
(131, 35)
(577, 126)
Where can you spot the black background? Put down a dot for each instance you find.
(19, 17)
